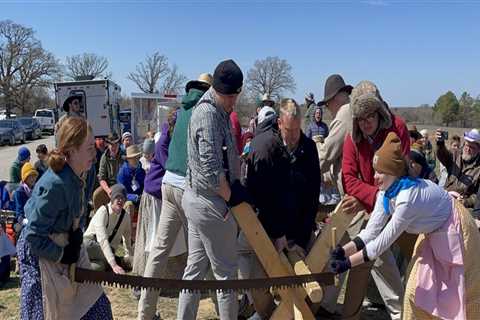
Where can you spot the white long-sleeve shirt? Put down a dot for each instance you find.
(420, 209)
(98, 227)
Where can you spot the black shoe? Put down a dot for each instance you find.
(323, 313)
(245, 309)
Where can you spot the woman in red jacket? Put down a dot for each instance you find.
(372, 121)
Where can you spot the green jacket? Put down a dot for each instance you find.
(16, 172)
(109, 167)
(177, 150)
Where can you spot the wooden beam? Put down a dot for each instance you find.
(271, 261)
(314, 290)
(319, 255)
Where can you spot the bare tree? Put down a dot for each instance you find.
(24, 65)
(125, 102)
(148, 74)
(174, 82)
(245, 108)
(272, 76)
(86, 65)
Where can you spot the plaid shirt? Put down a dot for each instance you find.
(209, 134)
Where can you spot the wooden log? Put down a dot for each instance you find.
(314, 290)
(319, 255)
(334, 244)
(270, 260)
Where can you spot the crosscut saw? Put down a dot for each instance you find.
(200, 286)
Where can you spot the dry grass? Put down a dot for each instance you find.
(124, 305)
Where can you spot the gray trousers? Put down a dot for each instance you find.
(171, 220)
(384, 272)
(212, 237)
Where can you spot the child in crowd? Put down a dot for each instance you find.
(41, 164)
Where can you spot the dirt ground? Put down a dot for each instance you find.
(124, 305)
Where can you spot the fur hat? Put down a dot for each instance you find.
(365, 99)
(389, 158)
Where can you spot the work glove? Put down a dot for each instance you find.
(338, 253)
(71, 253)
(238, 194)
(75, 237)
(340, 266)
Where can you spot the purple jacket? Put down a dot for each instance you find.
(153, 180)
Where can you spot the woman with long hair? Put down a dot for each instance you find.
(56, 215)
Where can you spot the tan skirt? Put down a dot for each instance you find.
(471, 239)
(63, 299)
(148, 217)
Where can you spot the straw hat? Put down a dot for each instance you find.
(203, 82)
(133, 152)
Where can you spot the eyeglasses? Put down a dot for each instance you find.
(370, 117)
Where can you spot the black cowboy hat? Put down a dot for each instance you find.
(66, 103)
(333, 86)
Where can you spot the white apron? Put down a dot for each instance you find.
(62, 299)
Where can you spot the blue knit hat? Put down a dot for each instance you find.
(23, 154)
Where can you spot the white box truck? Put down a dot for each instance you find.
(100, 104)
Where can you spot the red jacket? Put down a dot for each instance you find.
(357, 162)
(236, 130)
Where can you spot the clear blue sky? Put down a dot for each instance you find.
(413, 50)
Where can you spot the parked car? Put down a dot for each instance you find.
(3, 115)
(32, 127)
(46, 118)
(11, 131)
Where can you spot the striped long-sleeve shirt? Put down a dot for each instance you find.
(209, 134)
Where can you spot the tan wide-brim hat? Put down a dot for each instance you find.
(203, 82)
(133, 152)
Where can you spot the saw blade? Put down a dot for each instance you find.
(201, 286)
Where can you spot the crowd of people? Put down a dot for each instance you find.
(114, 205)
